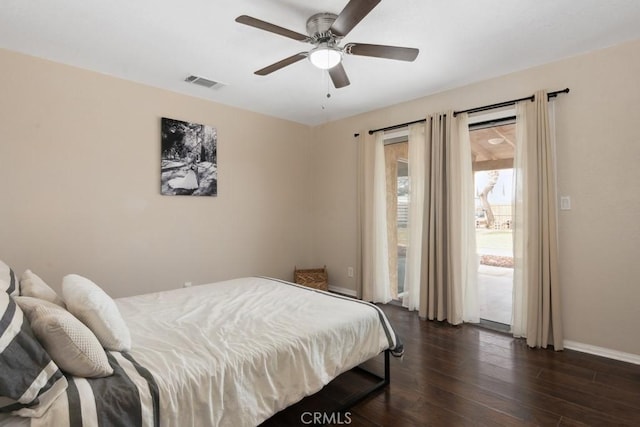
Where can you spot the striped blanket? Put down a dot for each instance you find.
(129, 397)
(38, 393)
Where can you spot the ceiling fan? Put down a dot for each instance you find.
(325, 32)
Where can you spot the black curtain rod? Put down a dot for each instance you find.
(474, 110)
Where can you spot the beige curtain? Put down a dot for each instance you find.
(362, 189)
(536, 308)
(373, 250)
(441, 296)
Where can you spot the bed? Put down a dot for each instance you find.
(230, 353)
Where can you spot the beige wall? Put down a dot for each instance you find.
(598, 166)
(80, 176)
(79, 167)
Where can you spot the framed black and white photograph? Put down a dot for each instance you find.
(189, 159)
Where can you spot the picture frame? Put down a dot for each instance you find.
(189, 160)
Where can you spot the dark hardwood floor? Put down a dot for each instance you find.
(469, 376)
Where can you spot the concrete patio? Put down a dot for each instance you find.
(495, 284)
(495, 290)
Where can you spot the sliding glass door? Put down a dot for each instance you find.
(493, 148)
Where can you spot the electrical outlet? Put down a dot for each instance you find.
(350, 271)
(187, 284)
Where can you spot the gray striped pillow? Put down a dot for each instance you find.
(30, 380)
(8, 280)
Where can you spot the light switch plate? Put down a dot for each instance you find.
(565, 203)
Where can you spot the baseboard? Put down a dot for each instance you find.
(343, 291)
(604, 352)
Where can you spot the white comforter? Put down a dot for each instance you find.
(233, 353)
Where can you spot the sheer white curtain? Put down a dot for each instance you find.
(536, 291)
(372, 213)
(416, 209)
(464, 257)
(520, 223)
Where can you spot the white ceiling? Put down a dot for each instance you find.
(161, 42)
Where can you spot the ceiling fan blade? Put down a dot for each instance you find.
(381, 51)
(272, 28)
(351, 15)
(339, 76)
(281, 64)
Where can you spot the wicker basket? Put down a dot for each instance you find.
(316, 278)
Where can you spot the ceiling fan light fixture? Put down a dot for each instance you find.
(325, 57)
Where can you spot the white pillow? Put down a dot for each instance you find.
(33, 286)
(71, 345)
(97, 310)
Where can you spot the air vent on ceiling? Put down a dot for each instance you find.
(201, 81)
